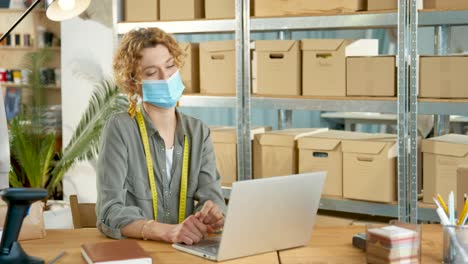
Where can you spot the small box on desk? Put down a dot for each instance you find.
(265, 8)
(443, 76)
(190, 72)
(225, 147)
(371, 76)
(323, 152)
(276, 67)
(141, 10)
(324, 63)
(181, 9)
(441, 158)
(369, 169)
(275, 152)
(218, 9)
(217, 67)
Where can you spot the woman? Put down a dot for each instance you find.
(156, 162)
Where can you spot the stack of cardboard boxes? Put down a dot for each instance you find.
(225, 147)
(167, 10)
(359, 166)
(313, 67)
(153, 10)
(275, 152)
(268, 8)
(350, 160)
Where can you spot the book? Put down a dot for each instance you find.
(118, 252)
(12, 102)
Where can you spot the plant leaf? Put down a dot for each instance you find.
(84, 144)
(33, 150)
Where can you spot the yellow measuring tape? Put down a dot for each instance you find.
(149, 165)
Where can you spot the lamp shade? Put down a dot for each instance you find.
(57, 13)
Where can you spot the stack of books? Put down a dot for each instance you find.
(392, 244)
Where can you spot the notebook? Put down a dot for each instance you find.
(119, 252)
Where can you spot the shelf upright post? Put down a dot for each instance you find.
(402, 110)
(117, 17)
(442, 37)
(285, 116)
(413, 120)
(244, 149)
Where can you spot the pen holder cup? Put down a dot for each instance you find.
(394, 242)
(455, 248)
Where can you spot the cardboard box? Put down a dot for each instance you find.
(218, 67)
(324, 63)
(171, 9)
(323, 152)
(462, 186)
(276, 67)
(441, 158)
(382, 5)
(263, 8)
(374, 5)
(369, 169)
(371, 76)
(216, 9)
(225, 147)
(141, 10)
(190, 72)
(445, 4)
(443, 77)
(275, 152)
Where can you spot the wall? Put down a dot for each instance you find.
(87, 50)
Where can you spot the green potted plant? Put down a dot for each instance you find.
(34, 162)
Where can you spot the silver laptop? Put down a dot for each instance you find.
(265, 215)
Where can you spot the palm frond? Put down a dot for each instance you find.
(84, 144)
(14, 180)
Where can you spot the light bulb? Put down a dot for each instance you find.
(67, 5)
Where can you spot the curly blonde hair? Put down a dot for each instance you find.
(128, 55)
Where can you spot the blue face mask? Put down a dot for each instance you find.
(163, 93)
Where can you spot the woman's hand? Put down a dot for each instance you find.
(211, 215)
(190, 231)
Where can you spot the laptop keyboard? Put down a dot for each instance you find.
(208, 246)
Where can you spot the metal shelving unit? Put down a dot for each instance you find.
(345, 21)
(406, 105)
(384, 105)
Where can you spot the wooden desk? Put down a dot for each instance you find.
(328, 245)
(162, 253)
(333, 245)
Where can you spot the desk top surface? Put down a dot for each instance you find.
(328, 245)
(70, 241)
(334, 245)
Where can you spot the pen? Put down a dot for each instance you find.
(442, 203)
(451, 207)
(462, 217)
(445, 222)
(464, 220)
(52, 261)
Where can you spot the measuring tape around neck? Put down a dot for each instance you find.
(150, 167)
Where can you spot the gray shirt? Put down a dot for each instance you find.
(124, 193)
